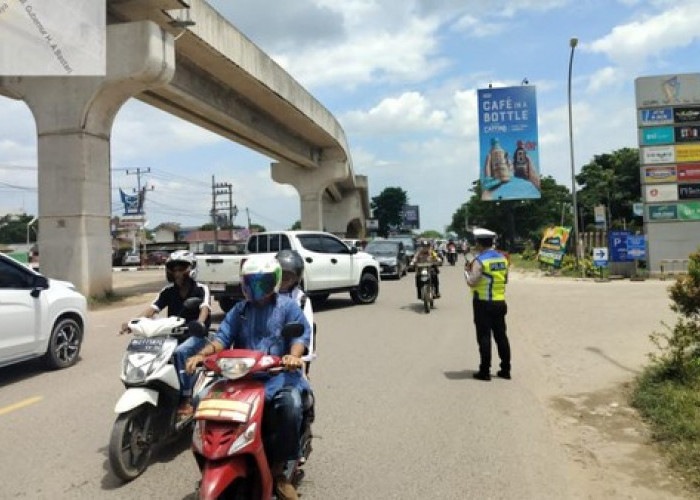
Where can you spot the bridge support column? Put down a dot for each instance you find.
(345, 216)
(311, 185)
(74, 117)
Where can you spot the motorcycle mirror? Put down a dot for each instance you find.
(192, 303)
(292, 330)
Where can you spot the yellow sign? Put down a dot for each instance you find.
(687, 152)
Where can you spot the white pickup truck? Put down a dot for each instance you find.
(329, 267)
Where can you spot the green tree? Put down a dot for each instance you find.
(13, 229)
(387, 208)
(611, 179)
(296, 226)
(431, 233)
(515, 220)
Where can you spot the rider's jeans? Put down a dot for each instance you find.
(187, 349)
(287, 414)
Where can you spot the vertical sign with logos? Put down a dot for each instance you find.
(508, 143)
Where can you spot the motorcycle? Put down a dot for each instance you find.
(147, 411)
(427, 287)
(227, 440)
(452, 255)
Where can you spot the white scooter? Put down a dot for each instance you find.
(147, 411)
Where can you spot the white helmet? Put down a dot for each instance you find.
(260, 277)
(181, 257)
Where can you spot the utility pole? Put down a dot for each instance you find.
(221, 189)
(248, 214)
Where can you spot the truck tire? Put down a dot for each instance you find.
(367, 290)
(226, 303)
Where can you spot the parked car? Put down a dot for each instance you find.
(131, 259)
(391, 256)
(157, 258)
(409, 244)
(40, 317)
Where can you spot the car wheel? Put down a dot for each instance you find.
(64, 344)
(367, 290)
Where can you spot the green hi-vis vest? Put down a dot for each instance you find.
(492, 285)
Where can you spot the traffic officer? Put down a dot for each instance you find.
(487, 275)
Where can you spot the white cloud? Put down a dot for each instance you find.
(605, 78)
(408, 112)
(632, 43)
(477, 27)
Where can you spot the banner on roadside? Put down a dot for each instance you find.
(553, 246)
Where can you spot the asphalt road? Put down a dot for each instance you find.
(398, 413)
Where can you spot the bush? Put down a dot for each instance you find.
(529, 252)
(568, 266)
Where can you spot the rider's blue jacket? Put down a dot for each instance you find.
(255, 327)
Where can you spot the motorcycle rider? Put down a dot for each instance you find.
(451, 252)
(292, 265)
(426, 254)
(181, 273)
(255, 323)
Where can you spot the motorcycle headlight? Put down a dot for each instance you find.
(137, 367)
(244, 439)
(234, 368)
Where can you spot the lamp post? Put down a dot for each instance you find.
(572, 43)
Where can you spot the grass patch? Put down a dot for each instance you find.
(671, 405)
(520, 263)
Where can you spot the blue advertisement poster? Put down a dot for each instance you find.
(508, 143)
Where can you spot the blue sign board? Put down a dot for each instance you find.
(658, 135)
(508, 143)
(600, 257)
(636, 247)
(660, 116)
(617, 243)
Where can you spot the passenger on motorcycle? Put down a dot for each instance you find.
(426, 254)
(181, 273)
(292, 266)
(255, 324)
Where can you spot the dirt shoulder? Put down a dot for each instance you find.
(583, 365)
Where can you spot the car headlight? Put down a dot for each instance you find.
(234, 368)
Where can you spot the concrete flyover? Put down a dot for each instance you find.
(207, 73)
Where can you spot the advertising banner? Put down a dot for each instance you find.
(508, 143)
(658, 154)
(553, 246)
(659, 174)
(411, 217)
(689, 191)
(660, 192)
(687, 152)
(690, 172)
(689, 211)
(617, 243)
(636, 247)
(667, 90)
(662, 213)
(687, 133)
(661, 116)
(656, 135)
(133, 204)
(685, 115)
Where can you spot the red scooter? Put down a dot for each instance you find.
(228, 436)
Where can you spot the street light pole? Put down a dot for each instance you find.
(572, 43)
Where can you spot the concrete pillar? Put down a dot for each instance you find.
(74, 117)
(311, 184)
(338, 215)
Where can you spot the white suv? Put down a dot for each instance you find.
(39, 317)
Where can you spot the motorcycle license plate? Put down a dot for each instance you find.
(145, 345)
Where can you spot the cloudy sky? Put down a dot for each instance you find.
(401, 78)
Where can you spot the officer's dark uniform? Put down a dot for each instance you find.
(489, 303)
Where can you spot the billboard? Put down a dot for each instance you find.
(667, 90)
(411, 217)
(685, 115)
(651, 117)
(663, 212)
(656, 135)
(689, 172)
(689, 211)
(687, 133)
(660, 192)
(508, 143)
(689, 191)
(658, 154)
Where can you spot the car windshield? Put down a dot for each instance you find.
(381, 249)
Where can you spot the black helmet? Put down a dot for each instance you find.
(292, 268)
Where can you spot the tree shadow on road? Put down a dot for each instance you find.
(600, 353)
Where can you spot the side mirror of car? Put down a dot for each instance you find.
(39, 283)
